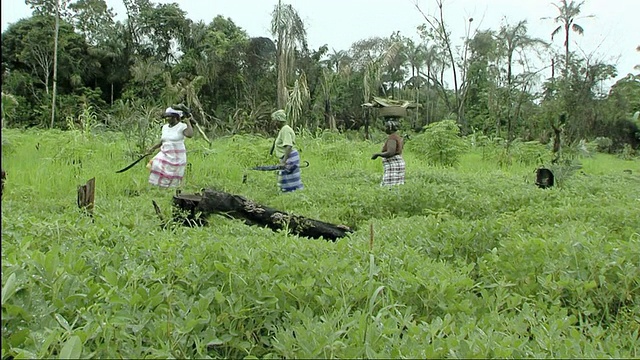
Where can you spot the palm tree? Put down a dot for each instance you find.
(337, 66)
(511, 39)
(436, 63)
(296, 98)
(144, 71)
(289, 29)
(336, 60)
(568, 14)
(416, 55)
(373, 69)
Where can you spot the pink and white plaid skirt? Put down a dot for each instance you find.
(167, 167)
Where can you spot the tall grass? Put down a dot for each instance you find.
(473, 261)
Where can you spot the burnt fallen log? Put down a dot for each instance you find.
(193, 209)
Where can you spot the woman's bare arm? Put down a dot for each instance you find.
(391, 150)
(188, 132)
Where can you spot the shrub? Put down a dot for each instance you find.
(603, 144)
(440, 143)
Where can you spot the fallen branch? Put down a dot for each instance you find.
(200, 130)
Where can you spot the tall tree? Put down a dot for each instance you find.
(162, 25)
(440, 33)
(58, 9)
(93, 19)
(290, 32)
(567, 15)
(434, 61)
(144, 72)
(514, 38)
(436, 30)
(260, 60)
(134, 10)
(416, 56)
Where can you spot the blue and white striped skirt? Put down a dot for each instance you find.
(289, 177)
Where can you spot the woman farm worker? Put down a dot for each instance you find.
(392, 156)
(167, 167)
(289, 177)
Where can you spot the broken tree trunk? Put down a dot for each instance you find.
(199, 206)
(4, 177)
(86, 196)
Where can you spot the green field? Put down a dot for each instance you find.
(472, 262)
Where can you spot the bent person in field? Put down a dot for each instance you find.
(391, 155)
(167, 167)
(284, 146)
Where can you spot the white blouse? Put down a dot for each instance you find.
(175, 133)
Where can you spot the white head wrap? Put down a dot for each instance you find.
(172, 112)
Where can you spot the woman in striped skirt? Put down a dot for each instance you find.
(167, 167)
(391, 155)
(289, 177)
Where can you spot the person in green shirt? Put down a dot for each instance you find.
(289, 178)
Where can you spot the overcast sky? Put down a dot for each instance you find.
(612, 35)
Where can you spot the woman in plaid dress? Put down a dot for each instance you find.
(167, 167)
(391, 155)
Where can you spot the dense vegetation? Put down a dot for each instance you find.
(467, 259)
(127, 70)
(474, 261)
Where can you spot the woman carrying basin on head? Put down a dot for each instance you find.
(391, 155)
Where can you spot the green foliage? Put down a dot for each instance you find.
(140, 125)
(518, 152)
(628, 153)
(232, 79)
(471, 262)
(440, 143)
(9, 105)
(528, 153)
(603, 144)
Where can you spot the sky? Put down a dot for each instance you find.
(611, 35)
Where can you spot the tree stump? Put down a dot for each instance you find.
(4, 177)
(544, 178)
(86, 196)
(198, 206)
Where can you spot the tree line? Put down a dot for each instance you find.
(72, 58)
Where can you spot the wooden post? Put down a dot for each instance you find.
(158, 211)
(86, 196)
(4, 176)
